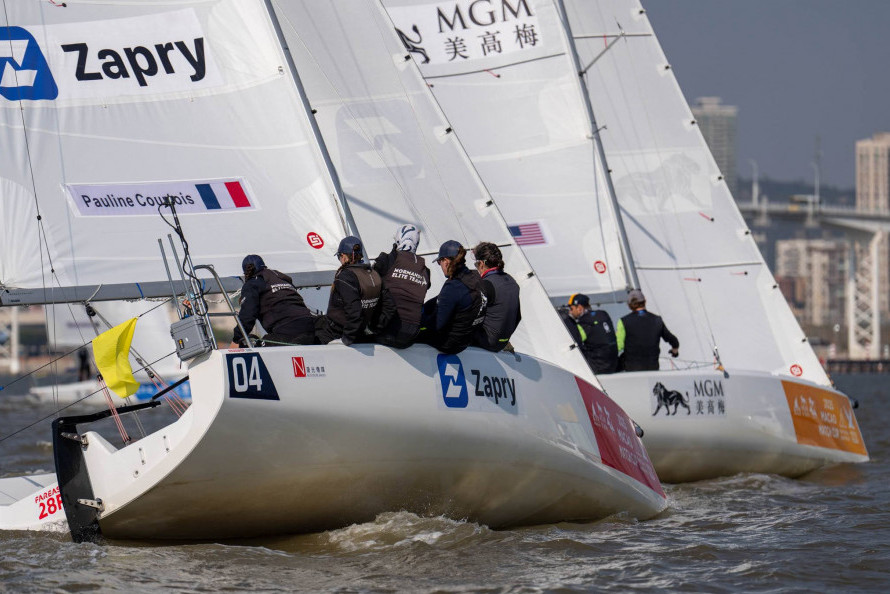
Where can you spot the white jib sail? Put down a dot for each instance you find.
(397, 158)
(108, 108)
(503, 74)
(698, 264)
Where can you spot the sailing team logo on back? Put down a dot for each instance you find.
(24, 72)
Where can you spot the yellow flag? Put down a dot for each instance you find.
(112, 352)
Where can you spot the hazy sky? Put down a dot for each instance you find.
(795, 69)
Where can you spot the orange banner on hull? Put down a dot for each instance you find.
(822, 418)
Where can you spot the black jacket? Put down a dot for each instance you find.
(405, 279)
(353, 305)
(642, 332)
(270, 297)
(502, 311)
(595, 334)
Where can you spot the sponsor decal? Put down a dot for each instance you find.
(454, 383)
(48, 503)
(796, 370)
(528, 234)
(249, 378)
(24, 72)
(822, 418)
(467, 30)
(599, 266)
(312, 369)
(705, 397)
(619, 446)
(150, 54)
(487, 388)
(189, 197)
(315, 240)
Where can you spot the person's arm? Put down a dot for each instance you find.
(447, 302)
(670, 339)
(620, 334)
(250, 310)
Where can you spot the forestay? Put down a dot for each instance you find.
(398, 160)
(503, 73)
(109, 108)
(698, 264)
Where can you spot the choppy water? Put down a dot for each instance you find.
(747, 533)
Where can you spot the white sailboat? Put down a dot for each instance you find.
(609, 185)
(282, 439)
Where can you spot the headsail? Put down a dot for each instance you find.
(107, 109)
(697, 261)
(397, 157)
(504, 77)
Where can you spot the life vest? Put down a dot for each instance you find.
(464, 322)
(502, 313)
(281, 302)
(369, 287)
(407, 283)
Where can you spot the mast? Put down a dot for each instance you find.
(630, 271)
(349, 221)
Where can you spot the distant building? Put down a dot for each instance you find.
(873, 195)
(718, 125)
(812, 274)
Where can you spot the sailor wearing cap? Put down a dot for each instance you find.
(270, 297)
(355, 295)
(594, 333)
(639, 335)
(450, 319)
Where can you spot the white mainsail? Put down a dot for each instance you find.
(503, 74)
(106, 108)
(696, 259)
(397, 158)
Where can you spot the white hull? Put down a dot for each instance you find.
(746, 422)
(369, 429)
(31, 503)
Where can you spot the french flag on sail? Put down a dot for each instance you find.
(223, 195)
(527, 234)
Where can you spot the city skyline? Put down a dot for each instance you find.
(796, 69)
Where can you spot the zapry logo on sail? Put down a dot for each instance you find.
(152, 54)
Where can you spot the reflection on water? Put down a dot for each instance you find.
(751, 532)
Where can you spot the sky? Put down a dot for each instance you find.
(796, 69)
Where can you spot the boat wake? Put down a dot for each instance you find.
(400, 529)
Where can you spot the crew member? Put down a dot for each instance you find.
(270, 297)
(450, 319)
(639, 334)
(406, 280)
(355, 298)
(502, 312)
(594, 332)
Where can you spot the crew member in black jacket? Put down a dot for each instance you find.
(355, 296)
(502, 311)
(406, 280)
(450, 319)
(594, 333)
(270, 297)
(639, 334)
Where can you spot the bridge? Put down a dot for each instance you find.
(866, 232)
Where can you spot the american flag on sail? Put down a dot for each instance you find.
(527, 234)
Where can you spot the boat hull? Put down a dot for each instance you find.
(300, 439)
(746, 422)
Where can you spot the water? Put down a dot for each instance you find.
(750, 533)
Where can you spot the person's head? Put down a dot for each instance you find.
(578, 304)
(636, 300)
(349, 251)
(488, 256)
(251, 265)
(407, 238)
(451, 257)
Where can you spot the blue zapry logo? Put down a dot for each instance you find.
(454, 384)
(24, 73)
